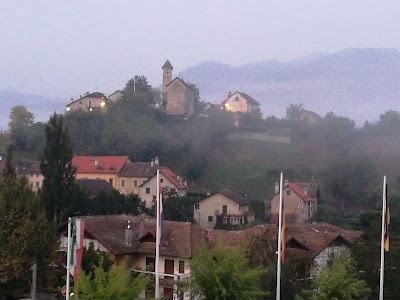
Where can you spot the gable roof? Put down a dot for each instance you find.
(300, 192)
(33, 169)
(181, 80)
(167, 65)
(171, 176)
(248, 98)
(91, 95)
(231, 195)
(99, 164)
(139, 169)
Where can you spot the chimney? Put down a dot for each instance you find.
(276, 187)
(96, 162)
(152, 163)
(128, 234)
(229, 94)
(286, 182)
(72, 99)
(1, 158)
(208, 193)
(157, 160)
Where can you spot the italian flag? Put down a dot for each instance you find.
(77, 245)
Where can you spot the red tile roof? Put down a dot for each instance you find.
(299, 191)
(99, 164)
(181, 239)
(173, 178)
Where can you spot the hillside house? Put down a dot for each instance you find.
(240, 102)
(99, 167)
(225, 207)
(300, 202)
(134, 236)
(116, 96)
(168, 180)
(89, 102)
(34, 175)
(309, 117)
(177, 94)
(134, 174)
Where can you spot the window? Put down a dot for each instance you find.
(237, 98)
(90, 103)
(147, 190)
(181, 267)
(150, 263)
(197, 206)
(37, 184)
(167, 72)
(287, 192)
(210, 218)
(110, 181)
(162, 180)
(135, 183)
(123, 182)
(224, 209)
(169, 266)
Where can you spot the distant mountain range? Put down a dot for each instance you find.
(357, 83)
(41, 106)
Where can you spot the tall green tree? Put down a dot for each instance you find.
(26, 236)
(223, 273)
(9, 170)
(340, 282)
(59, 186)
(116, 284)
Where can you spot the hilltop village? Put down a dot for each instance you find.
(121, 141)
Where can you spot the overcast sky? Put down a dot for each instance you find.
(64, 48)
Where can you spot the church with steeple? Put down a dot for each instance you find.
(177, 94)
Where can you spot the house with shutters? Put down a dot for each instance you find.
(89, 102)
(240, 102)
(223, 207)
(178, 96)
(168, 181)
(300, 202)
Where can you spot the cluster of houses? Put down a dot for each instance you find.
(134, 236)
(178, 98)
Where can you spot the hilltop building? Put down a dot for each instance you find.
(240, 102)
(177, 94)
(88, 102)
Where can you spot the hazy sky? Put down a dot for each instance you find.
(64, 48)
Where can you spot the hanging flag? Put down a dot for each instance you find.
(387, 221)
(77, 245)
(283, 233)
(161, 214)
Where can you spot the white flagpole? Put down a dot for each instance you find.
(384, 197)
(279, 264)
(157, 262)
(67, 290)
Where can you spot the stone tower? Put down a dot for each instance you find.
(167, 74)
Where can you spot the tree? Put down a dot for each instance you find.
(59, 184)
(225, 273)
(118, 283)
(293, 112)
(20, 117)
(26, 236)
(9, 169)
(340, 282)
(138, 83)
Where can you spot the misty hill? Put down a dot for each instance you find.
(358, 83)
(41, 106)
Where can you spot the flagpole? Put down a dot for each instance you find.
(157, 262)
(67, 290)
(279, 263)
(384, 197)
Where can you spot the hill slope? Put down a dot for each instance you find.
(358, 83)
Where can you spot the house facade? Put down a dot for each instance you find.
(168, 180)
(300, 202)
(225, 207)
(34, 176)
(134, 174)
(116, 96)
(240, 102)
(89, 102)
(177, 94)
(99, 167)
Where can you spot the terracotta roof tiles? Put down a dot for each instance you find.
(99, 164)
